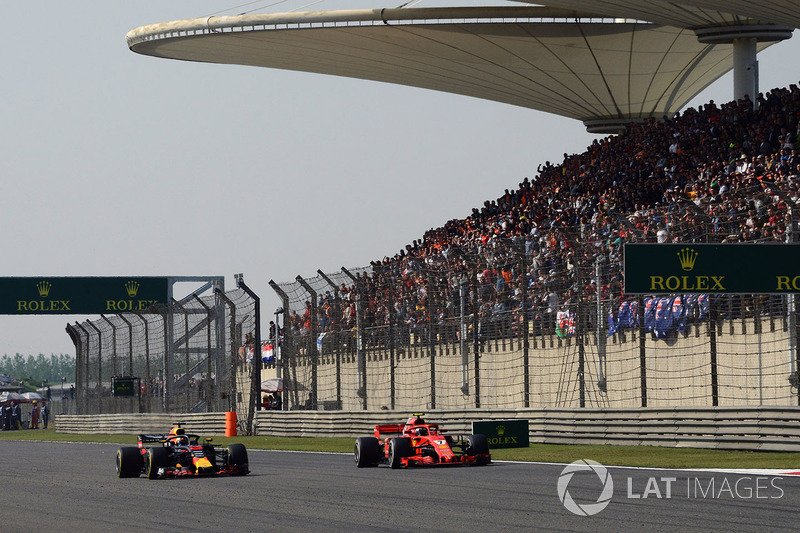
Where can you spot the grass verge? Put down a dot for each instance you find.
(653, 456)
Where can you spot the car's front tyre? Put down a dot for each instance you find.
(237, 456)
(479, 445)
(154, 460)
(399, 448)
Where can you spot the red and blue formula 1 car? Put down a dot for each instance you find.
(418, 443)
(178, 454)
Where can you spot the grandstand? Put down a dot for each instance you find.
(545, 258)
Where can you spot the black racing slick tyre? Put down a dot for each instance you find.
(478, 445)
(129, 462)
(399, 448)
(367, 452)
(155, 459)
(237, 456)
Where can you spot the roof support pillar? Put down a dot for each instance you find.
(745, 39)
(745, 69)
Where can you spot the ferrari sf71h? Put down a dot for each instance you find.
(419, 443)
(179, 454)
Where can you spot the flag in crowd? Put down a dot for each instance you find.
(662, 315)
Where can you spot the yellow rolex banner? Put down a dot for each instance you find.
(711, 268)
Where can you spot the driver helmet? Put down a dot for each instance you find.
(179, 434)
(421, 432)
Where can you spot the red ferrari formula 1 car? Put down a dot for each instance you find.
(179, 454)
(418, 443)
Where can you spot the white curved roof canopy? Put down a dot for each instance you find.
(604, 73)
(690, 13)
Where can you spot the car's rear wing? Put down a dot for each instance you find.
(384, 429)
(397, 429)
(152, 438)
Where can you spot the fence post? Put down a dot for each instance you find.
(794, 310)
(80, 363)
(526, 373)
(231, 395)
(642, 349)
(476, 342)
(82, 388)
(114, 369)
(147, 385)
(284, 353)
(99, 367)
(712, 345)
(601, 338)
(431, 338)
(392, 317)
(209, 389)
(130, 343)
(360, 357)
(462, 335)
(255, 382)
(130, 358)
(313, 340)
(580, 326)
(338, 355)
(167, 367)
(186, 391)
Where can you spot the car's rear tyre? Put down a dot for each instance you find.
(155, 459)
(399, 448)
(237, 456)
(367, 452)
(129, 462)
(479, 445)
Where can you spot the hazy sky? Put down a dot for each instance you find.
(117, 164)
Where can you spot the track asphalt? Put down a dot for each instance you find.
(73, 487)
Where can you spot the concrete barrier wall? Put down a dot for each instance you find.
(200, 423)
(749, 428)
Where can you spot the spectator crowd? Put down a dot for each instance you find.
(721, 173)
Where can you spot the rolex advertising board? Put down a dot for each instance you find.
(712, 268)
(83, 295)
(124, 385)
(503, 433)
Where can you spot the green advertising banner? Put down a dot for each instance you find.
(123, 386)
(82, 296)
(712, 268)
(503, 433)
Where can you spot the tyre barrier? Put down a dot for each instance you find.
(230, 423)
